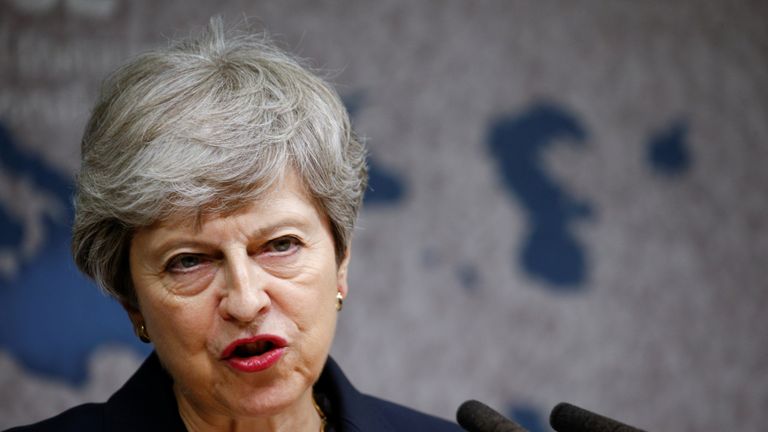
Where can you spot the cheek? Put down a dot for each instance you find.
(316, 297)
(179, 324)
(310, 304)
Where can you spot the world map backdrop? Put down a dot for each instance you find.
(567, 202)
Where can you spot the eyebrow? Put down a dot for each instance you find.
(191, 239)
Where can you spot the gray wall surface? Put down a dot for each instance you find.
(569, 201)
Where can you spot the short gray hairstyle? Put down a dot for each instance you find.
(204, 127)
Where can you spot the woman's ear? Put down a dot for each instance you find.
(342, 273)
(137, 321)
(134, 314)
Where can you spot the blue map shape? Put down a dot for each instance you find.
(469, 276)
(528, 417)
(517, 145)
(52, 317)
(10, 229)
(668, 152)
(385, 187)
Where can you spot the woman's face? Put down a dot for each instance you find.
(241, 309)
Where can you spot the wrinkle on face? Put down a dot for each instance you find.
(190, 321)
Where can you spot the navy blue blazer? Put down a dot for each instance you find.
(146, 403)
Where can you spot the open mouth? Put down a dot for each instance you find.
(252, 347)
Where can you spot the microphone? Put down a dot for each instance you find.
(569, 418)
(476, 416)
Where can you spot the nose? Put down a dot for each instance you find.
(245, 296)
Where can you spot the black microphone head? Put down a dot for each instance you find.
(476, 416)
(569, 418)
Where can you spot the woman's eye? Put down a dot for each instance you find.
(183, 263)
(282, 245)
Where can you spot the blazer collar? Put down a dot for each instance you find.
(146, 402)
(352, 410)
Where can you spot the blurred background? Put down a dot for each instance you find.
(568, 201)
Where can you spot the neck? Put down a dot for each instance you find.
(299, 417)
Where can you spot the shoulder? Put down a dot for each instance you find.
(144, 403)
(407, 419)
(87, 417)
(353, 411)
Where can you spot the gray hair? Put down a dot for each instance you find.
(204, 127)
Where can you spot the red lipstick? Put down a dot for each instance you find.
(255, 353)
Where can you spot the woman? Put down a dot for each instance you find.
(219, 186)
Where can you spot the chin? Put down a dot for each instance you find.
(266, 403)
(266, 398)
